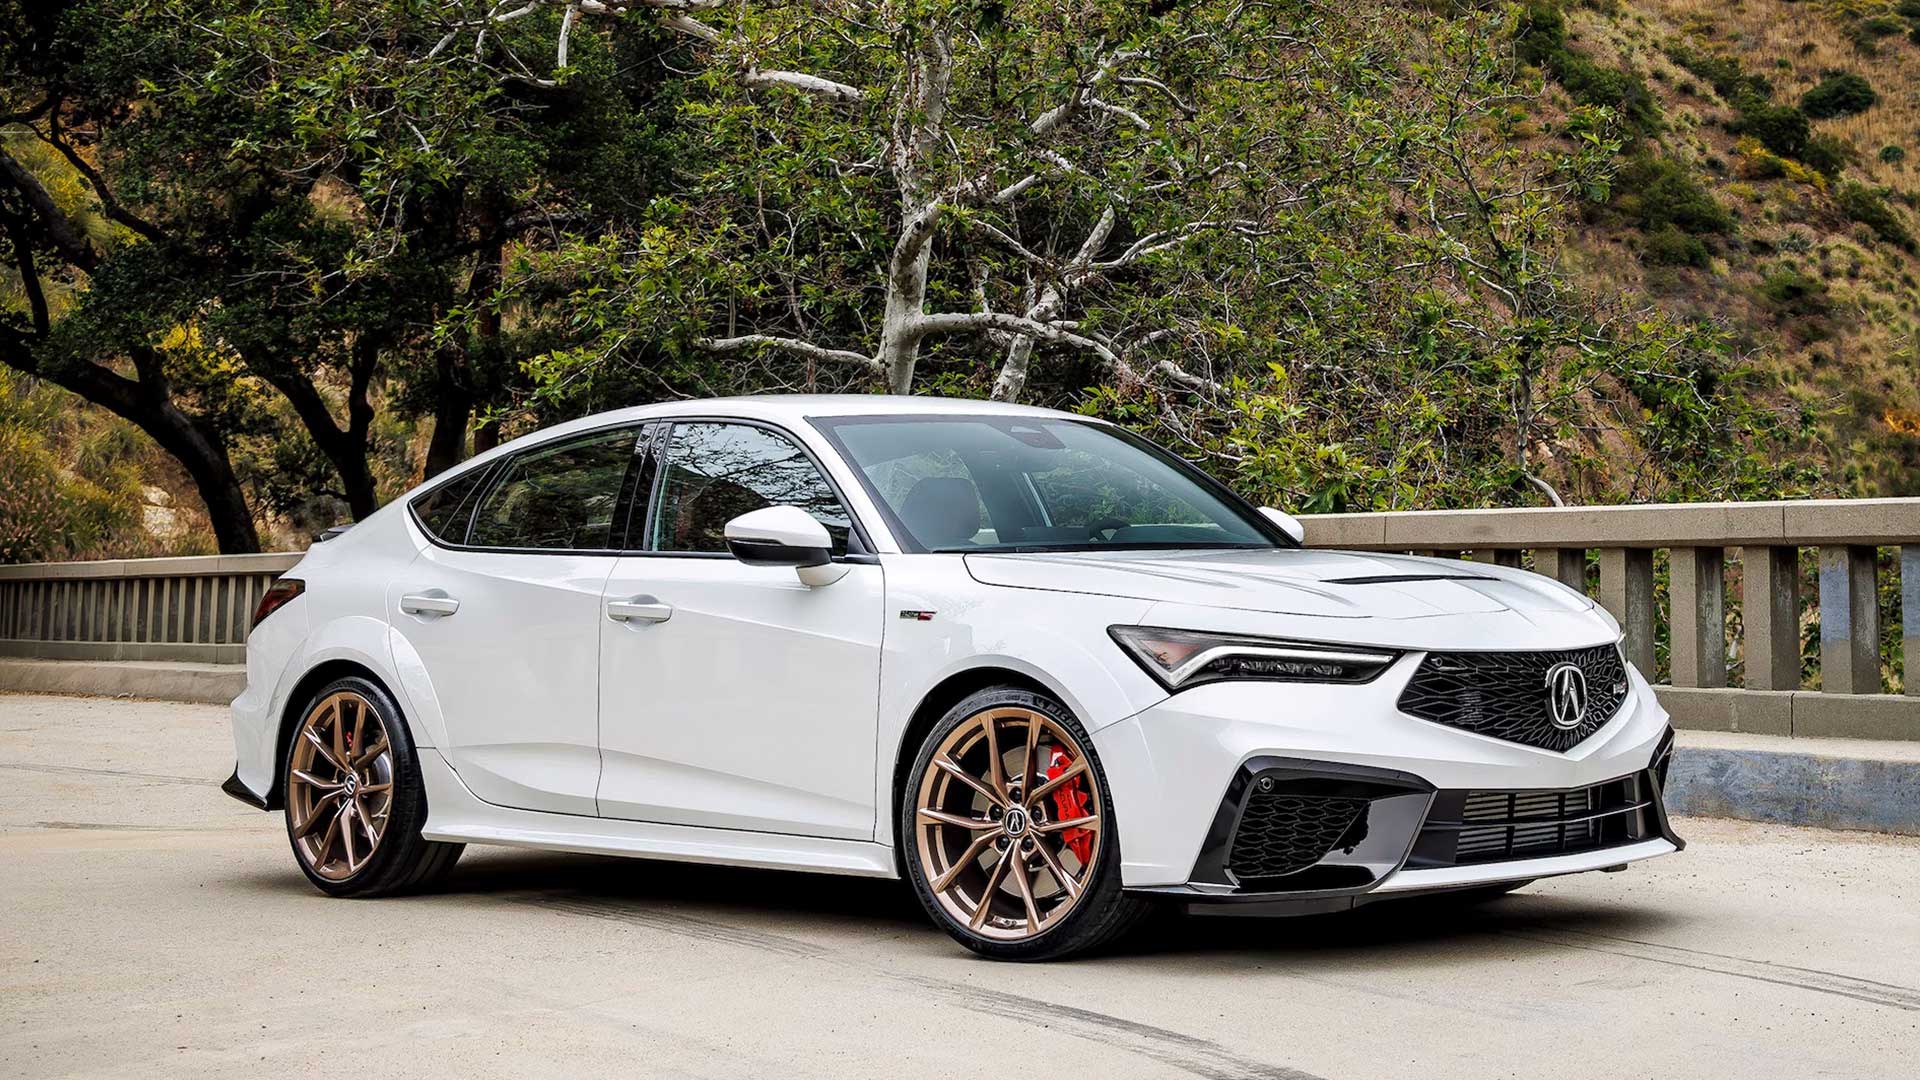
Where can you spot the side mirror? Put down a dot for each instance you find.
(1287, 522)
(785, 536)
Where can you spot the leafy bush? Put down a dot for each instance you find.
(1909, 8)
(1657, 194)
(1839, 95)
(1782, 129)
(1668, 246)
(1540, 39)
(1793, 294)
(1891, 154)
(1828, 153)
(1865, 205)
(1725, 75)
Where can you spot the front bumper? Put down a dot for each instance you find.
(1168, 766)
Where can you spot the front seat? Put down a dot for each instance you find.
(942, 511)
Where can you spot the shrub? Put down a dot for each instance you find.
(1795, 295)
(1828, 154)
(1782, 129)
(1540, 39)
(1891, 154)
(1668, 246)
(1909, 8)
(1866, 206)
(1656, 194)
(1839, 95)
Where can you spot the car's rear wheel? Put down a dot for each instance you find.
(354, 801)
(1010, 832)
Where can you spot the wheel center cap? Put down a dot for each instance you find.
(353, 784)
(1015, 823)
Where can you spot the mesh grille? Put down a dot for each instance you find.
(1504, 694)
(1282, 834)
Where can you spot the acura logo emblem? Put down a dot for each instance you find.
(1566, 695)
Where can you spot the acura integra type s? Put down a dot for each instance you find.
(1045, 671)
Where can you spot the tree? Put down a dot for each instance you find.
(311, 199)
(859, 183)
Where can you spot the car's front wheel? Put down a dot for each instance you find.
(1010, 833)
(354, 801)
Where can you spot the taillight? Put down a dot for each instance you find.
(276, 597)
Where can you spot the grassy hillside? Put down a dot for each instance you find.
(1773, 188)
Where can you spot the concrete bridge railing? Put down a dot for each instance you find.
(1767, 542)
(198, 609)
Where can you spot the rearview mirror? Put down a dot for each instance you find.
(785, 536)
(1287, 522)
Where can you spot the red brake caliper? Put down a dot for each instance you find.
(1069, 802)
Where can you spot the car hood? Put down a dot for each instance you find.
(1315, 583)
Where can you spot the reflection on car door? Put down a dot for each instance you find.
(734, 696)
(504, 617)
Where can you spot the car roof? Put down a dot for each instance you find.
(785, 409)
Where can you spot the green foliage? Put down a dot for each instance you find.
(69, 488)
(1782, 129)
(1868, 207)
(1657, 194)
(1839, 95)
(1891, 154)
(1540, 38)
(1829, 154)
(1793, 294)
(1668, 246)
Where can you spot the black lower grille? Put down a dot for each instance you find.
(1282, 834)
(1506, 695)
(1500, 826)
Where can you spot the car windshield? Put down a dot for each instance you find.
(1021, 483)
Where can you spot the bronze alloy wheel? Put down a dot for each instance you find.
(1010, 821)
(340, 785)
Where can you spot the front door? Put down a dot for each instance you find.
(735, 696)
(504, 616)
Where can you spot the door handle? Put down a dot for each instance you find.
(433, 602)
(640, 608)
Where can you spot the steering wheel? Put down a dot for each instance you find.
(1104, 525)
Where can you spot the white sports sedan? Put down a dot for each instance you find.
(1044, 670)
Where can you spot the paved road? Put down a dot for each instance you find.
(149, 926)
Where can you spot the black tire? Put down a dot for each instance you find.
(403, 861)
(1102, 913)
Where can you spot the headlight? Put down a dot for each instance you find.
(1183, 658)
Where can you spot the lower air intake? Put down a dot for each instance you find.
(1282, 834)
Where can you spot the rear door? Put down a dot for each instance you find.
(504, 614)
(738, 697)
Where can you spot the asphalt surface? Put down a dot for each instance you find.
(151, 926)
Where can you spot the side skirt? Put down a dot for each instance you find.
(455, 814)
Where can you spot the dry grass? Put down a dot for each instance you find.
(1795, 44)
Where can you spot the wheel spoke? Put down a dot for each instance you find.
(1021, 882)
(966, 859)
(375, 789)
(313, 781)
(371, 753)
(941, 817)
(313, 821)
(953, 769)
(1091, 823)
(1031, 763)
(340, 730)
(996, 769)
(346, 834)
(326, 842)
(320, 745)
(1054, 866)
(1043, 790)
(993, 885)
(359, 723)
(366, 824)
